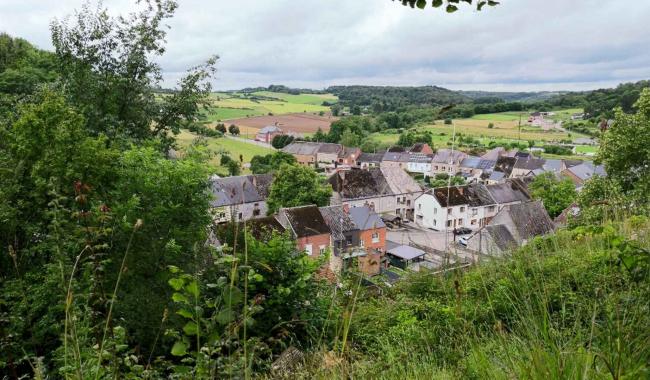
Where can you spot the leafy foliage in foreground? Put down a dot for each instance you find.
(555, 309)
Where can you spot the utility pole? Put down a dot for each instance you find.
(519, 127)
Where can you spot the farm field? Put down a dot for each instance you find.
(220, 145)
(226, 106)
(301, 123)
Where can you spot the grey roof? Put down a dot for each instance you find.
(396, 156)
(370, 157)
(406, 252)
(530, 219)
(587, 170)
(473, 195)
(511, 191)
(420, 158)
(338, 221)
(230, 191)
(478, 195)
(443, 156)
(328, 148)
(497, 176)
(269, 129)
(306, 221)
(356, 184)
(470, 162)
(348, 151)
(501, 236)
(494, 154)
(553, 165)
(399, 181)
(529, 163)
(505, 164)
(302, 148)
(365, 219)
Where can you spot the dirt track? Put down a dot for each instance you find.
(297, 122)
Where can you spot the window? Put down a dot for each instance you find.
(256, 212)
(308, 249)
(473, 222)
(375, 237)
(462, 209)
(474, 211)
(419, 206)
(449, 223)
(241, 216)
(460, 222)
(362, 243)
(491, 209)
(348, 240)
(435, 211)
(449, 211)
(321, 250)
(435, 222)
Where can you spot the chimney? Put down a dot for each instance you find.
(254, 180)
(346, 208)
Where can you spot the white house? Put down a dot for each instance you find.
(420, 163)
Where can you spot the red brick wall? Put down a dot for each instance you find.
(370, 264)
(315, 241)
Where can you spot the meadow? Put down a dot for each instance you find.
(226, 106)
(224, 145)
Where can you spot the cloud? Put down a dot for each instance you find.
(520, 45)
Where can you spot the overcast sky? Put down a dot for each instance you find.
(520, 45)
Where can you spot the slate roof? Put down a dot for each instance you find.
(530, 219)
(365, 219)
(338, 221)
(420, 158)
(396, 149)
(443, 156)
(302, 148)
(496, 176)
(328, 148)
(470, 162)
(396, 157)
(572, 163)
(370, 157)
(269, 129)
(306, 221)
(511, 191)
(348, 151)
(553, 165)
(231, 191)
(501, 236)
(586, 170)
(520, 154)
(529, 163)
(406, 252)
(356, 184)
(477, 195)
(505, 165)
(486, 164)
(493, 154)
(399, 181)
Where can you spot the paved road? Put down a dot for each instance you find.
(248, 141)
(441, 249)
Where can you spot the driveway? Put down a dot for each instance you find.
(249, 141)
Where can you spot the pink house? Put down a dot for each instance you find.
(267, 133)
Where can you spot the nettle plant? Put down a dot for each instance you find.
(450, 5)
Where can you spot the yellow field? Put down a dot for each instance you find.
(507, 129)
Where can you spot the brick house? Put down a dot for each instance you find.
(267, 133)
(308, 228)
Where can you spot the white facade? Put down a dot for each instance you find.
(430, 214)
(420, 167)
(239, 213)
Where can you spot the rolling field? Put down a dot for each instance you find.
(226, 106)
(302, 123)
(233, 147)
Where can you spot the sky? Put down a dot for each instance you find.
(521, 45)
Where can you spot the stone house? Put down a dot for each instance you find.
(328, 153)
(399, 160)
(447, 161)
(240, 198)
(348, 156)
(512, 227)
(369, 160)
(304, 152)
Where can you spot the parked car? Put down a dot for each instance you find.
(462, 231)
(463, 240)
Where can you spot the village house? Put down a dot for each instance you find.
(422, 148)
(494, 154)
(581, 173)
(399, 160)
(525, 165)
(444, 208)
(385, 190)
(328, 153)
(239, 198)
(359, 238)
(348, 156)
(473, 167)
(512, 227)
(420, 163)
(304, 152)
(308, 228)
(267, 133)
(447, 161)
(369, 160)
(512, 191)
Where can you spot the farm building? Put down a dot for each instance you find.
(267, 133)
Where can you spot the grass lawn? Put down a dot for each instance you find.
(224, 145)
(233, 105)
(586, 149)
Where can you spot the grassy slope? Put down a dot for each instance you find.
(233, 147)
(233, 106)
(560, 308)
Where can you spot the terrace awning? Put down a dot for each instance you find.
(406, 252)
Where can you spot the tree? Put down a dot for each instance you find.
(108, 70)
(451, 6)
(554, 193)
(349, 138)
(225, 159)
(625, 148)
(297, 186)
(355, 110)
(233, 129)
(280, 141)
(271, 162)
(319, 135)
(233, 168)
(221, 127)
